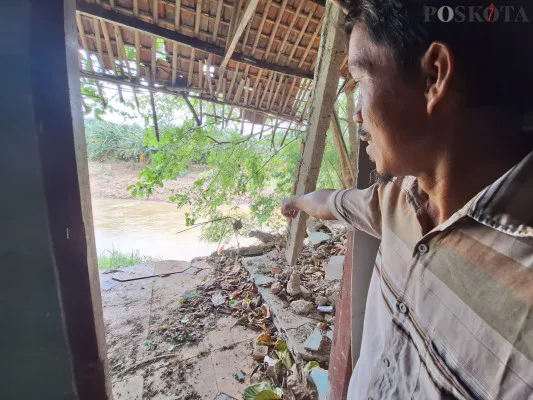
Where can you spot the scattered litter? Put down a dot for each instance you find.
(319, 377)
(265, 340)
(263, 391)
(218, 299)
(185, 319)
(310, 365)
(325, 309)
(283, 354)
(314, 341)
(260, 352)
(234, 303)
(107, 285)
(293, 286)
(239, 376)
(316, 238)
(171, 347)
(191, 270)
(271, 362)
(334, 268)
(302, 307)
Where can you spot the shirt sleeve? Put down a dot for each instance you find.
(358, 209)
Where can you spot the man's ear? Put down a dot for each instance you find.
(438, 68)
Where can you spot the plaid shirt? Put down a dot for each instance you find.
(449, 314)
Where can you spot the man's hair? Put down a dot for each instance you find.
(494, 60)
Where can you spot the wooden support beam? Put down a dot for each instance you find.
(200, 74)
(342, 150)
(177, 15)
(267, 88)
(288, 96)
(208, 75)
(146, 27)
(197, 17)
(155, 11)
(256, 84)
(233, 21)
(135, 8)
(153, 64)
(191, 67)
(275, 28)
(261, 24)
(99, 49)
(111, 56)
(138, 55)
(327, 74)
(136, 85)
(154, 112)
(217, 21)
(247, 15)
(174, 62)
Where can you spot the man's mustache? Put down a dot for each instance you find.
(363, 133)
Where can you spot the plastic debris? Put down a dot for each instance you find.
(185, 320)
(325, 309)
(218, 299)
(260, 352)
(271, 362)
(318, 237)
(319, 377)
(262, 391)
(314, 341)
(239, 376)
(283, 354)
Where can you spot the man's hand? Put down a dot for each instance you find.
(314, 204)
(289, 208)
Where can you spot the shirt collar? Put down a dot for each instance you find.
(505, 205)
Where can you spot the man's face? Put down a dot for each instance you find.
(391, 111)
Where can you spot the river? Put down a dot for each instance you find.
(151, 228)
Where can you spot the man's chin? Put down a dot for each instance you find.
(381, 178)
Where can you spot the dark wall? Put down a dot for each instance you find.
(49, 345)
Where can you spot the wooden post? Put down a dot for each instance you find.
(340, 145)
(330, 55)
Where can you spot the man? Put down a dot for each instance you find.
(450, 306)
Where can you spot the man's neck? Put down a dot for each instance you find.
(463, 170)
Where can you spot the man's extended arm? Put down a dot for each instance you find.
(315, 204)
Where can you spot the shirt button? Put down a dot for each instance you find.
(423, 248)
(403, 308)
(386, 362)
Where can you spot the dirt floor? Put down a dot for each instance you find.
(109, 180)
(147, 363)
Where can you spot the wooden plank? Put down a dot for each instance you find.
(304, 28)
(157, 30)
(174, 62)
(327, 74)
(200, 74)
(138, 54)
(208, 76)
(153, 64)
(272, 100)
(260, 29)
(98, 40)
(310, 45)
(111, 56)
(256, 84)
(248, 12)
(267, 88)
(233, 78)
(177, 15)
(233, 21)
(136, 8)
(342, 150)
(197, 17)
(217, 21)
(275, 28)
(191, 67)
(155, 11)
(291, 26)
(288, 96)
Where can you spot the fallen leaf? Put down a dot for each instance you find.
(283, 353)
(263, 391)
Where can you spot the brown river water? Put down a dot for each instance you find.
(150, 227)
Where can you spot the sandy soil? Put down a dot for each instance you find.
(109, 180)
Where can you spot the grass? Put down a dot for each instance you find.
(113, 259)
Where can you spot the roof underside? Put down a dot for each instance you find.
(257, 55)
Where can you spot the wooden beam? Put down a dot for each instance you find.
(111, 56)
(217, 20)
(302, 31)
(262, 23)
(141, 26)
(138, 55)
(200, 74)
(208, 75)
(248, 13)
(176, 91)
(153, 63)
(197, 17)
(291, 26)
(155, 11)
(177, 14)
(98, 40)
(310, 44)
(342, 150)
(327, 74)
(275, 28)
(136, 8)
(233, 21)
(191, 67)
(137, 85)
(288, 96)
(174, 62)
